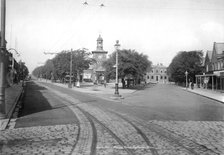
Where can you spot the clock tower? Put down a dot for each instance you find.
(100, 56)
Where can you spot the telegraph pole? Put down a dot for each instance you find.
(2, 64)
(70, 73)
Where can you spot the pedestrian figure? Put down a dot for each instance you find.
(192, 85)
(105, 83)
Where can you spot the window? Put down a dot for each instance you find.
(147, 77)
(165, 77)
(151, 77)
(161, 77)
(206, 68)
(161, 71)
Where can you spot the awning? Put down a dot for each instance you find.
(219, 73)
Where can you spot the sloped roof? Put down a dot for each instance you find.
(219, 47)
(209, 53)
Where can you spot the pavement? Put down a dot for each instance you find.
(108, 91)
(99, 90)
(211, 94)
(12, 95)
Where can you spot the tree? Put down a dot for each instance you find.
(59, 66)
(186, 61)
(131, 64)
(23, 71)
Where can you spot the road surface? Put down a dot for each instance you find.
(159, 120)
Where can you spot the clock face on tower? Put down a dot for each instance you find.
(100, 56)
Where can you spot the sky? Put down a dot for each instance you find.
(157, 28)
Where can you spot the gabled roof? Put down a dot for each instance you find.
(219, 47)
(209, 54)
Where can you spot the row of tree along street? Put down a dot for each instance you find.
(132, 65)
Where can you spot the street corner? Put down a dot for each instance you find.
(3, 124)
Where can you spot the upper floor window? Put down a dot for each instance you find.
(161, 71)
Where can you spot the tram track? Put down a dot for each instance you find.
(189, 145)
(142, 128)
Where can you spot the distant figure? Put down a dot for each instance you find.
(192, 85)
(105, 83)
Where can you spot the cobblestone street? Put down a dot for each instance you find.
(107, 131)
(69, 139)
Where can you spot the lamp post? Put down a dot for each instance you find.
(70, 73)
(186, 73)
(117, 45)
(2, 63)
(17, 53)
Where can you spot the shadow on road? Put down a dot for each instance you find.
(33, 100)
(41, 107)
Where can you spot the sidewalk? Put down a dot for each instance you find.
(97, 90)
(12, 95)
(214, 95)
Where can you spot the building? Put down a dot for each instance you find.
(158, 74)
(213, 78)
(96, 71)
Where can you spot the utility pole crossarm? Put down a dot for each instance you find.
(51, 53)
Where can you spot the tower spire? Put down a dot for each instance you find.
(99, 43)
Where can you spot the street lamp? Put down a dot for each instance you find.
(70, 73)
(2, 63)
(186, 73)
(117, 46)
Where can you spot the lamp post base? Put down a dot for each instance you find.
(116, 89)
(69, 85)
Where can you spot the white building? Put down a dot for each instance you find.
(158, 74)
